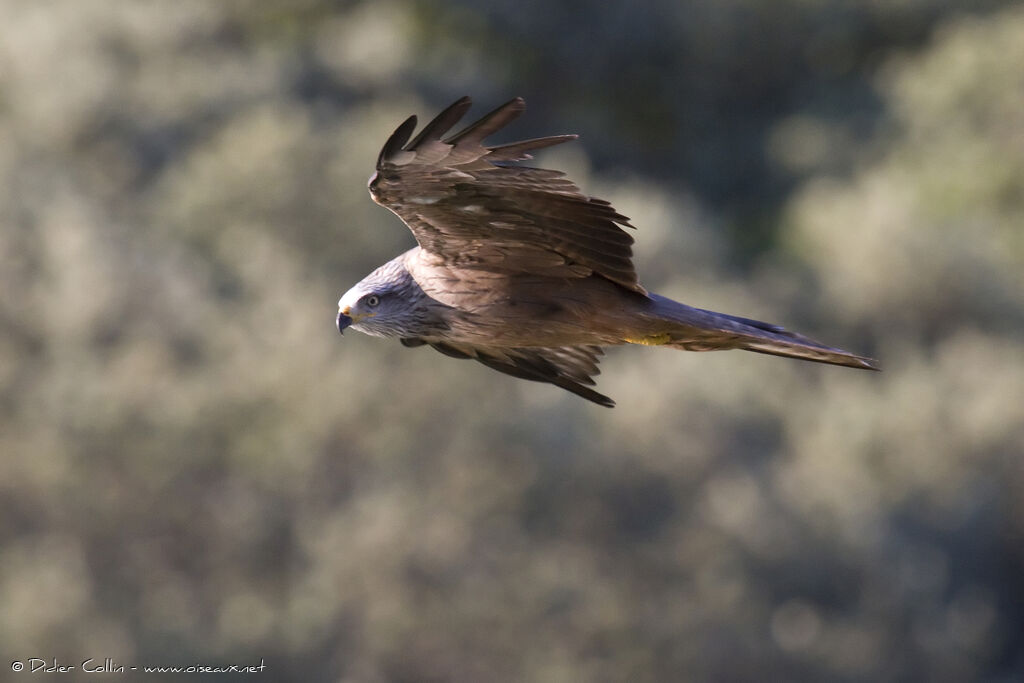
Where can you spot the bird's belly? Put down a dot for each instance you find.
(483, 307)
(527, 331)
(547, 316)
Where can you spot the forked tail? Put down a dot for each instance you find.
(695, 329)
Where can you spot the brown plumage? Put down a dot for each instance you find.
(519, 270)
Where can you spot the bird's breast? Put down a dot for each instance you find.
(483, 307)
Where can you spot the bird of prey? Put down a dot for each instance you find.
(518, 269)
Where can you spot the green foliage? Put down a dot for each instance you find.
(196, 468)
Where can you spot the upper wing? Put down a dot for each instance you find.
(570, 367)
(466, 204)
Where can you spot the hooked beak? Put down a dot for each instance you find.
(343, 320)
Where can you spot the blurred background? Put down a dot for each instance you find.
(196, 469)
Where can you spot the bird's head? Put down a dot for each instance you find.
(385, 303)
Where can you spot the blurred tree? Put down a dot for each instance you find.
(195, 469)
(688, 91)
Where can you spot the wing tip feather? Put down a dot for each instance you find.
(442, 123)
(468, 137)
(396, 143)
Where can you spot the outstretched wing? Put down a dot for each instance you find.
(470, 206)
(570, 367)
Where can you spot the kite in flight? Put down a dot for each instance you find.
(519, 270)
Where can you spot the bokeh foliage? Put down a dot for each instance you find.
(195, 468)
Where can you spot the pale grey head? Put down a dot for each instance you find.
(389, 303)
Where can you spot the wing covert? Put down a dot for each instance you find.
(471, 206)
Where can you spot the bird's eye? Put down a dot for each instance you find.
(372, 300)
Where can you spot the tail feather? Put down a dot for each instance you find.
(696, 329)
